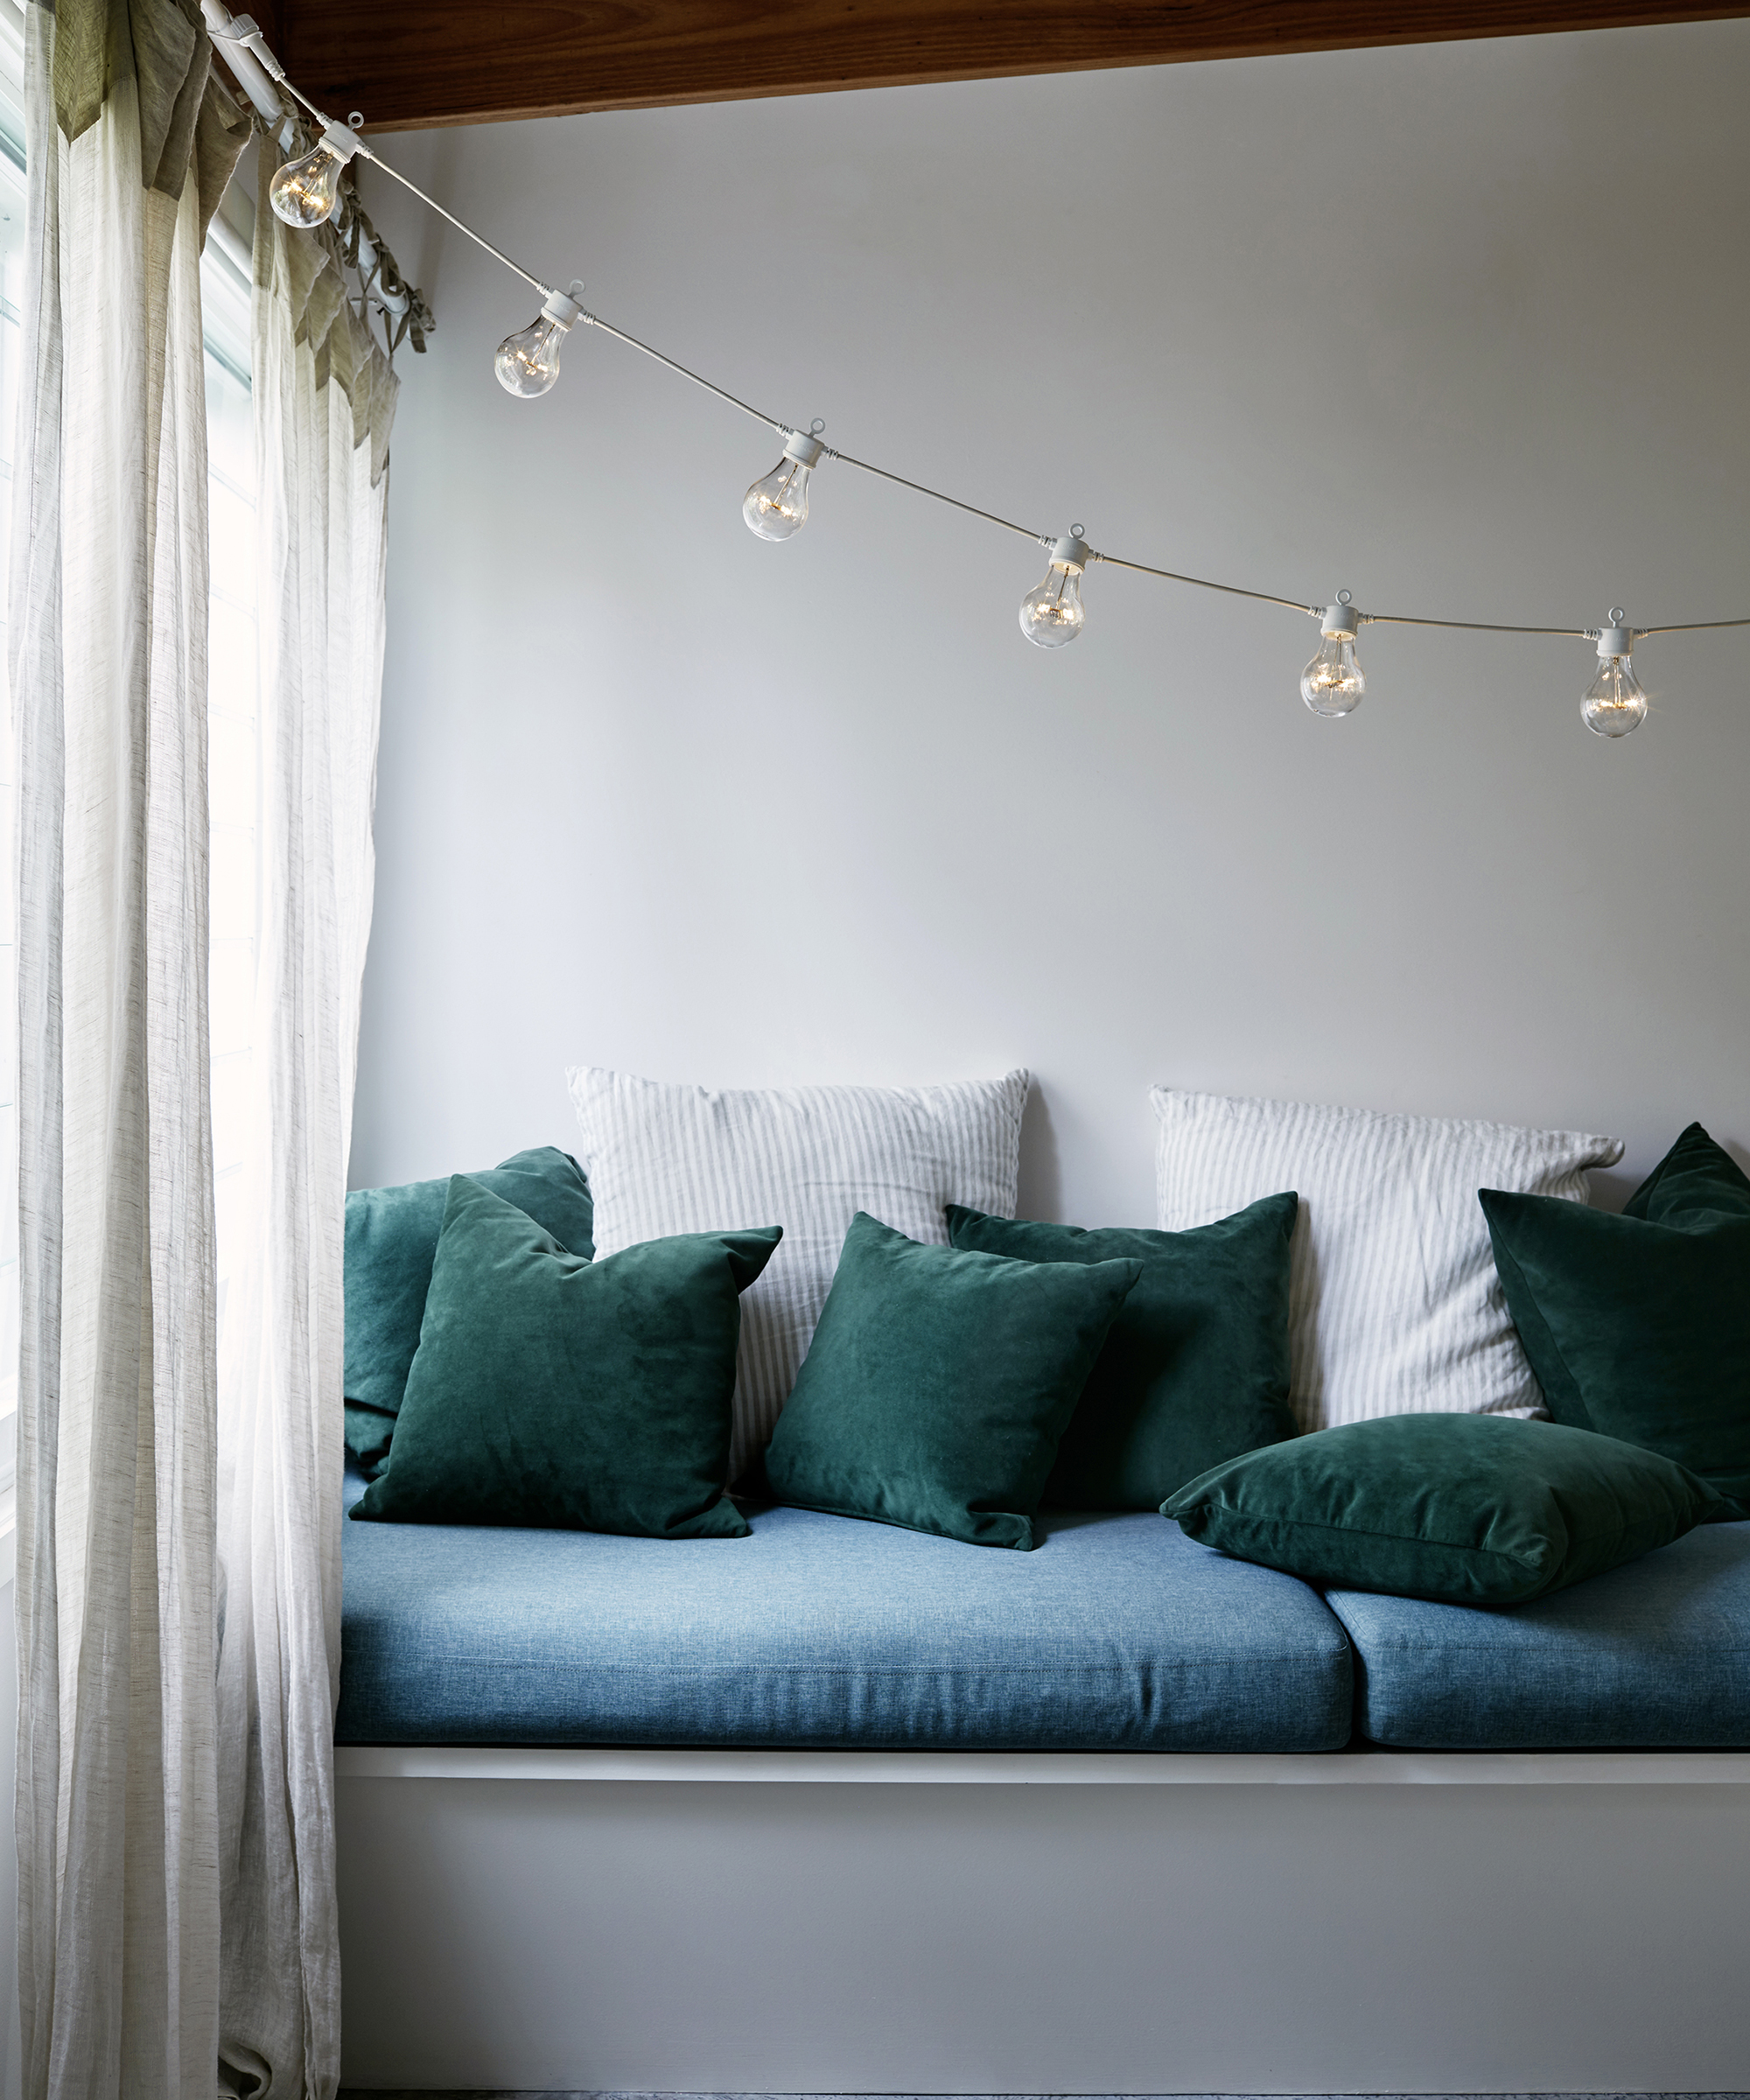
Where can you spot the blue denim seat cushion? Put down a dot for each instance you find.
(1117, 1633)
(1654, 1654)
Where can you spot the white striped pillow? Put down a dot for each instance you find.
(664, 1160)
(1393, 1305)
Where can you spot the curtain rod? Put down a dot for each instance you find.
(256, 82)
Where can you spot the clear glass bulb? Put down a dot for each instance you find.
(778, 507)
(303, 191)
(528, 362)
(1615, 702)
(1332, 684)
(1053, 614)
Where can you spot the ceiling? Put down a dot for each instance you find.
(415, 62)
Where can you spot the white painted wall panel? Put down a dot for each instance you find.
(11, 2074)
(1461, 327)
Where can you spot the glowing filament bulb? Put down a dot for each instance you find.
(777, 507)
(528, 362)
(303, 193)
(1333, 684)
(1053, 614)
(1615, 702)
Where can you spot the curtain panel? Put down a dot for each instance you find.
(130, 144)
(324, 397)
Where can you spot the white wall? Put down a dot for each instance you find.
(11, 2071)
(1461, 327)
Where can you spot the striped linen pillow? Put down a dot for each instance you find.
(664, 1159)
(1393, 1305)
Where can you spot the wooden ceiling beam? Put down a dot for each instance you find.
(417, 62)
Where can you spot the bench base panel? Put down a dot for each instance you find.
(1368, 1922)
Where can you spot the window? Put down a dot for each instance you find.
(11, 300)
(234, 737)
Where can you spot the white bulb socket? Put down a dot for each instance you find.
(1071, 552)
(1616, 641)
(804, 448)
(557, 307)
(342, 142)
(1339, 619)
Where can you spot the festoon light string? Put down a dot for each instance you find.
(306, 192)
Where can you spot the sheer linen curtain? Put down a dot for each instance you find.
(130, 144)
(324, 397)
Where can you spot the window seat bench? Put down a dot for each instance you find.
(837, 1807)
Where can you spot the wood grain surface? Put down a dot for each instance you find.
(417, 62)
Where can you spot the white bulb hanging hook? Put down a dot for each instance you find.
(1341, 617)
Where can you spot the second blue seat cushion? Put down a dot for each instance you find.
(1654, 1654)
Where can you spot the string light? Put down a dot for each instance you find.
(306, 191)
(528, 362)
(1333, 684)
(1614, 703)
(1053, 615)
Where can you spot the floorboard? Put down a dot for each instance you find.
(378, 2093)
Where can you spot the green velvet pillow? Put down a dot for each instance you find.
(1639, 1326)
(554, 1391)
(391, 1238)
(1196, 1366)
(1464, 1508)
(938, 1383)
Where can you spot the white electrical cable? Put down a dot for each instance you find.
(215, 13)
(1688, 626)
(1008, 525)
(1482, 627)
(631, 342)
(1202, 583)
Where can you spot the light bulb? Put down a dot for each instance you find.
(528, 362)
(1333, 684)
(1614, 703)
(778, 507)
(303, 191)
(1053, 614)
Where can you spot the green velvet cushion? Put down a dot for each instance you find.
(1196, 1366)
(552, 1391)
(938, 1383)
(1463, 1509)
(391, 1238)
(1639, 1326)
